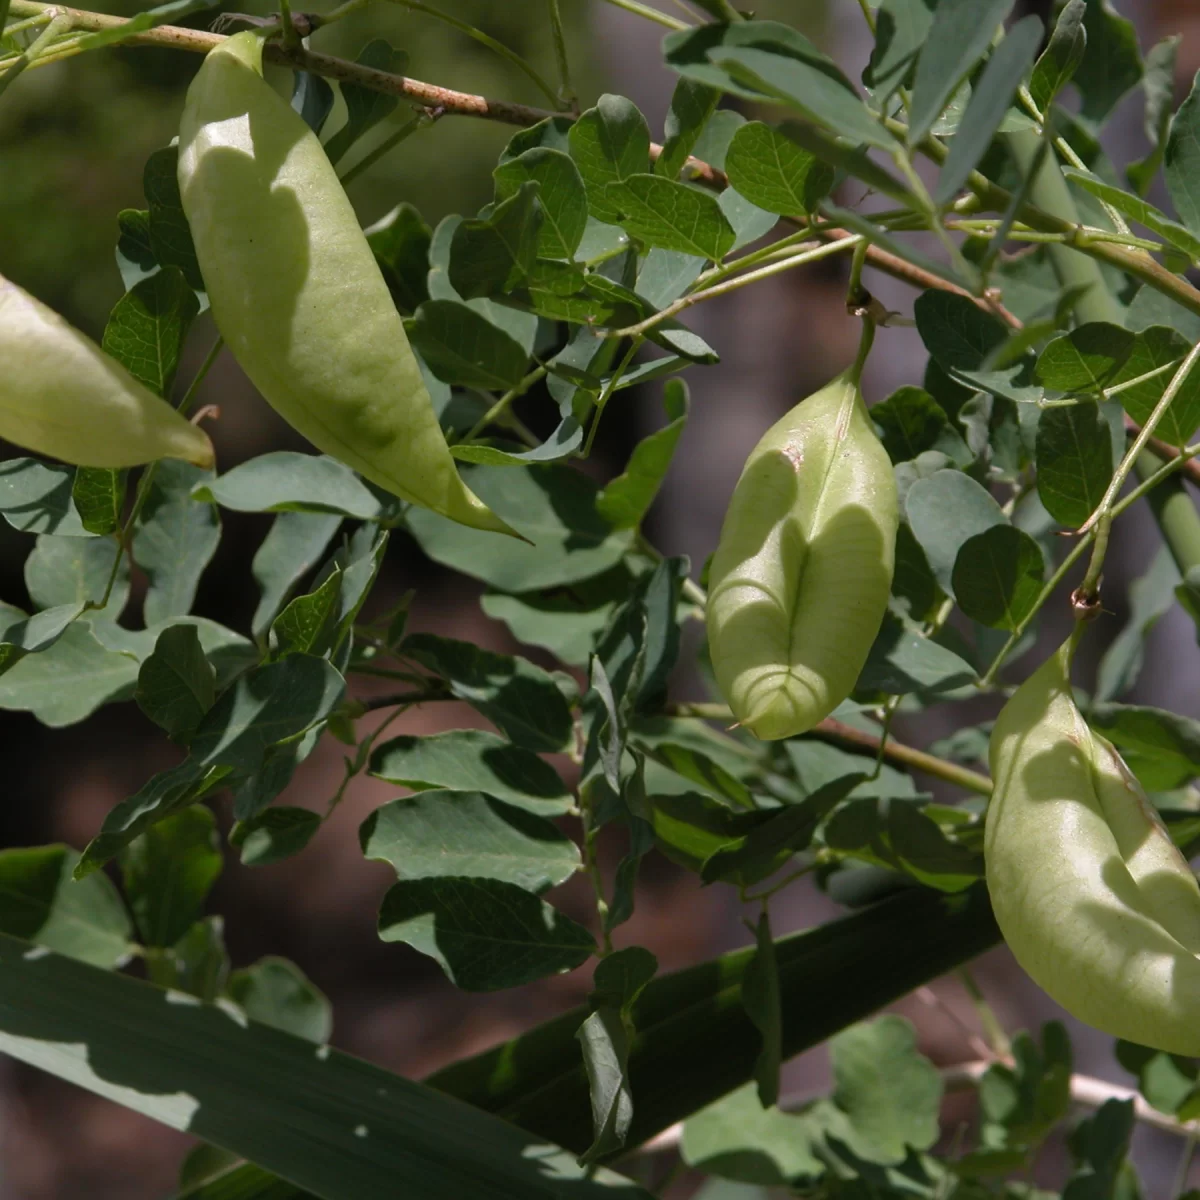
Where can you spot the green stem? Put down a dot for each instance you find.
(484, 39)
(125, 537)
(837, 731)
(651, 14)
(36, 49)
(566, 93)
(825, 250)
(992, 1029)
(606, 394)
(501, 406)
(386, 146)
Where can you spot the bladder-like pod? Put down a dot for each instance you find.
(1090, 893)
(800, 579)
(61, 395)
(296, 291)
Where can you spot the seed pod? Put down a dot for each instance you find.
(296, 291)
(1090, 893)
(61, 395)
(800, 579)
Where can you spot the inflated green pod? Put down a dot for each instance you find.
(799, 583)
(61, 395)
(1090, 893)
(296, 291)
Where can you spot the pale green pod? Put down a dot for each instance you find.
(61, 395)
(296, 291)
(1090, 893)
(800, 579)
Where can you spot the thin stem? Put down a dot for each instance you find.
(1179, 1184)
(993, 1030)
(386, 146)
(566, 93)
(36, 49)
(125, 537)
(1147, 430)
(606, 394)
(484, 39)
(651, 14)
(501, 406)
(837, 731)
(868, 15)
(825, 250)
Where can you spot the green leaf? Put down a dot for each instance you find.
(889, 1091)
(1074, 462)
(334, 1125)
(135, 253)
(765, 60)
(170, 235)
(465, 349)
(760, 998)
(703, 771)
(958, 37)
(366, 107)
(285, 481)
(312, 98)
(944, 511)
(147, 328)
(625, 500)
(99, 496)
(765, 848)
(1157, 347)
(1161, 748)
(1158, 84)
(473, 760)
(692, 104)
(309, 624)
(553, 506)
(275, 992)
(567, 621)
(998, 576)
(1138, 210)
(40, 902)
(1151, 307)
(993, 92)
(1086, 359)
(492, 255)
(1150, 596)
(522, 700)
(913, 581)
(176, 536)
(274, 834)
(769, 169)
(1111, 64)
(400, 243)
(485, 934)
(265, 706)
(439, 833)
(168, 872)
(911, 421)
(176, 684)
(294, 545)
(551, 132)
(1064, 52)
(1166, 1080)
(673, 216)
(609, 143)
(561, 196)
(901, 27)
(31, 635)
(69, 680)
(902, 662)
(75, 571)
(36, 497)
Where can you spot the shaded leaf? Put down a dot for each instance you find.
(485, 934)
(770, 170)
(472, 760)
(561, 196)
(274, 834)
(275, 992)
(1074, 462)
(176, 684)
(440, 833)
(609, 143)
(998, 576)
